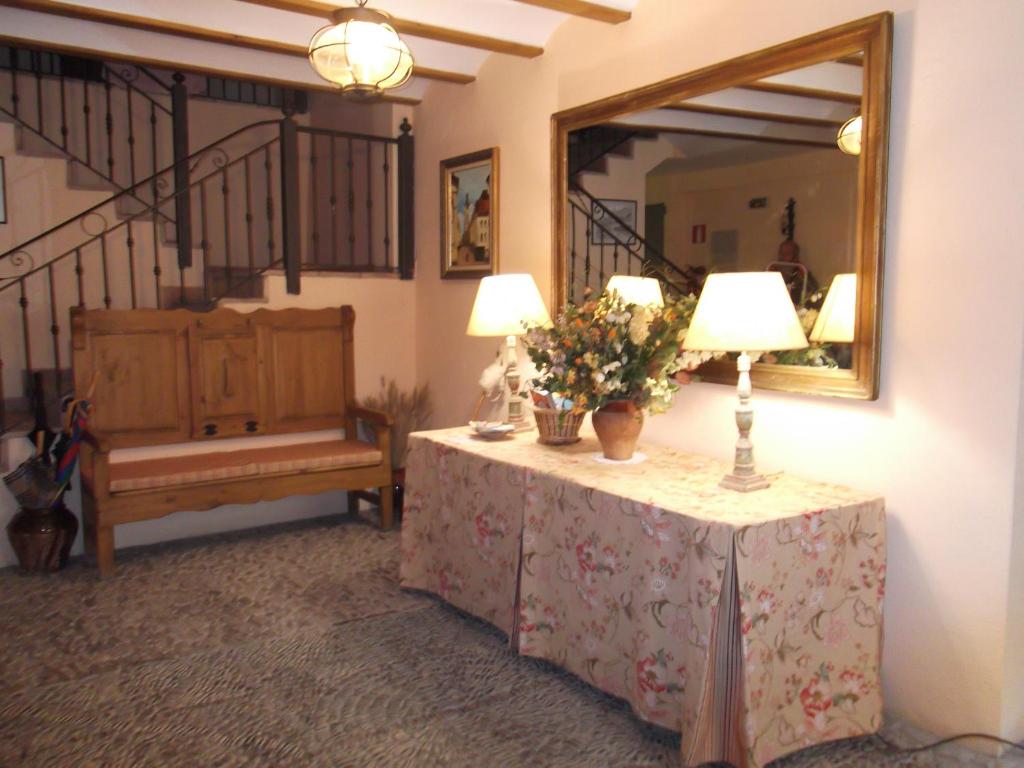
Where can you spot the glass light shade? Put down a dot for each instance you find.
(361, 52)
(505, 304)
(744, 312)
(645, 291)
(838, 314)
(849, 135)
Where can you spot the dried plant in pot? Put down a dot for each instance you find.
(412, 411)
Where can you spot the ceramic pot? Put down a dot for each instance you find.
(618, 426)
(42, 538)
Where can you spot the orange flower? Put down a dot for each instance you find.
(612, 333)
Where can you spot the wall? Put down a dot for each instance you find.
(941, 441)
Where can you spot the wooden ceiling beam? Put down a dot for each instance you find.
(145, 24)
(583, 8)
(771, 117)
(414, 28)
(181, 66)
(727, 135)
(802, 92)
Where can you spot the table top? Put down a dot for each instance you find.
(667, 478)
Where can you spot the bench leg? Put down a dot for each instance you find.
(104, 549)
(387, 507)
(353, 503)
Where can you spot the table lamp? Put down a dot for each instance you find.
(744, 312)
(838, 316)
(645, 291)
(504, 306)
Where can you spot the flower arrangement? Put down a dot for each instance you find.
(607, 349)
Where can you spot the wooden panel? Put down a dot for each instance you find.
(141, 395)
(305, 376)
(227, 388)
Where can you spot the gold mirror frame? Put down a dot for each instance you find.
(873, 36)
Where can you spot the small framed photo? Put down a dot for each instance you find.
(608, 231)
(469, 215)
(3, 194)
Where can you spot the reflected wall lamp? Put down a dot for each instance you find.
(849, 135)
(361, 52)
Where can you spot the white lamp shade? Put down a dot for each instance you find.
(505, 304)
(645, 291)
(744, 312)
(361, 52)
(838, 314)
(849, 135)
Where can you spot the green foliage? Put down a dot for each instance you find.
(606, 349)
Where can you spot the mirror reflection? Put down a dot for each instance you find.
(761, 176)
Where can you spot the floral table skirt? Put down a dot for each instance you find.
(750, 623)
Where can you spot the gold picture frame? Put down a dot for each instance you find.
(469, 215)
(870, 38)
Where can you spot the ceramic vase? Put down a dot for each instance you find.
(618, 426)
(42, 538)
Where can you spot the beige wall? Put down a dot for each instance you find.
(941, 441)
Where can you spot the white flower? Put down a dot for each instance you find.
(640, 326)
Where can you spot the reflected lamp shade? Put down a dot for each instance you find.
(361, 52)
(744, 312)
(849, 135)
(838, 316)
(644, 291)
(505, 305)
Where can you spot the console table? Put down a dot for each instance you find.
(750, 623)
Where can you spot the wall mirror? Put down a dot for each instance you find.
(773, 160)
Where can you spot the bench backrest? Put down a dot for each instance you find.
(171, 376)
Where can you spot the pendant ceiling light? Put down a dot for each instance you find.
(361, 52)
(848, 137)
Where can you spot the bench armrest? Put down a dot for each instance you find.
(372, 415)
(99, 443)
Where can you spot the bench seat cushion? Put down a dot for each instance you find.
(230, 465)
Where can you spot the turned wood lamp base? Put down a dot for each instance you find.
(743, 477)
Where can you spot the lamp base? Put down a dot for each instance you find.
(744, 483)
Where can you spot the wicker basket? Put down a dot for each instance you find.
(558, 427)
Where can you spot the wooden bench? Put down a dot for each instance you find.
(170, 377)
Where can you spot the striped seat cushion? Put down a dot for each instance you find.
(229, 465)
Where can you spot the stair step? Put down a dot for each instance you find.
(81, 177)
(27, 142)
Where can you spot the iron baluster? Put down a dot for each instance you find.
(313, 200)
(131, 278)
(109, 121)
(227, 227)
(106, 266)
(23, 303)
(63, 114)
(80, 277)
(351, 210)
(267, 164)
(204, 244)
(572, 253)
(87, 119)
(37, 66)
(15, 99)
(615, 259)
(54, 327)
(333, 201)
(131, 143)
(387, 209)
(369, 205)
(248, 215)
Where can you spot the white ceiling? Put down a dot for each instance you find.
(508, 20)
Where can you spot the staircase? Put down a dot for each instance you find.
(601, 244)
(199, 227)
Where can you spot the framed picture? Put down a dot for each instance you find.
(608, 231)
(469, 215)
(3, 194)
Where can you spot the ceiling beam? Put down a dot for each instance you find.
(182, 66)
(583, 8)
(772, 117)
(414, 28)
(802, 92)
(176, 29)
(726, 135)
